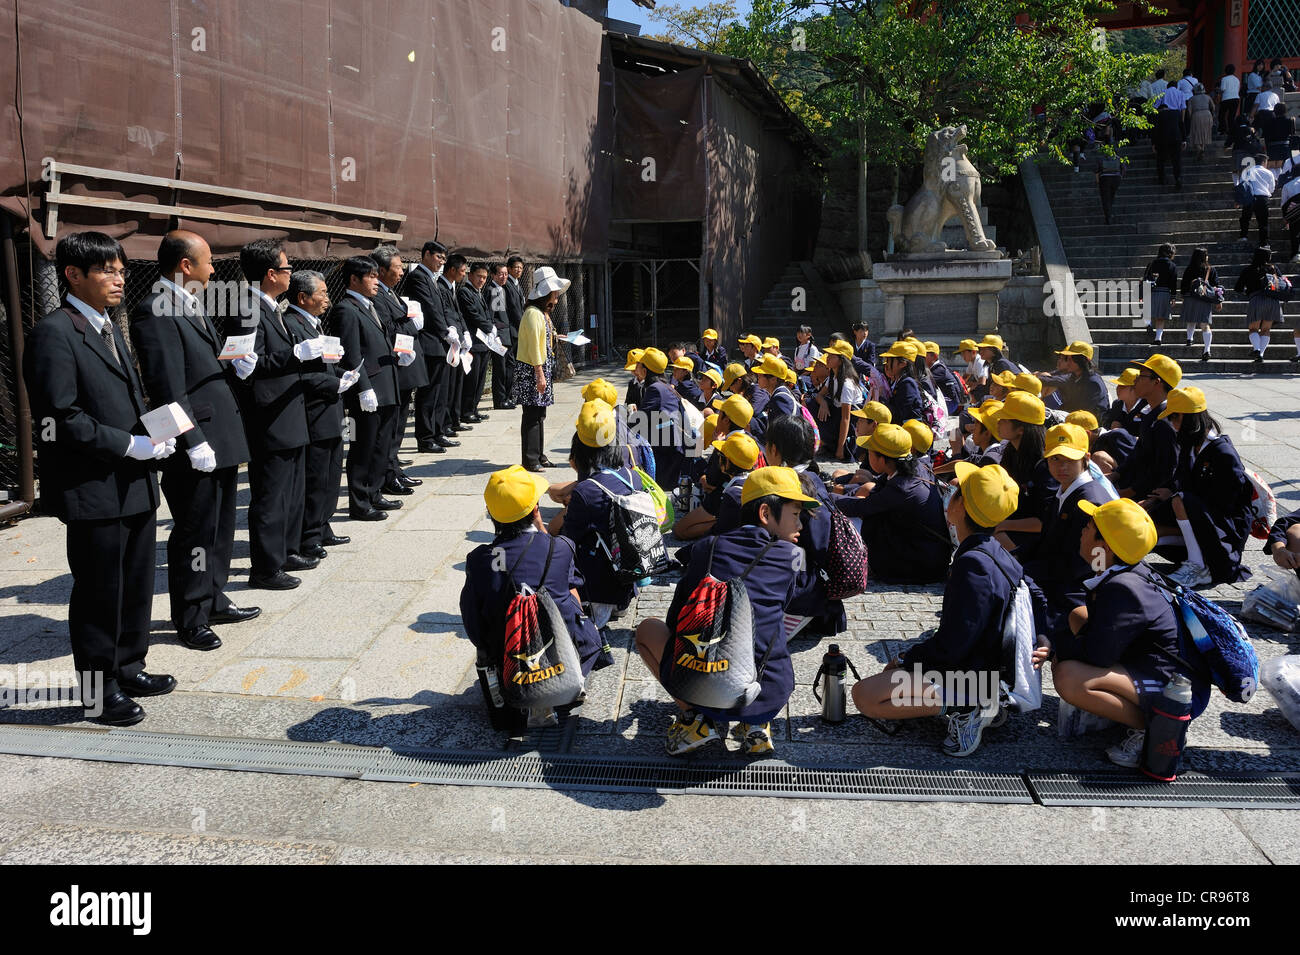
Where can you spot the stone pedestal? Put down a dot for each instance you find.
(942, 295)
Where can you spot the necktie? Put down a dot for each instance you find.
(107, 333)
(374, 314)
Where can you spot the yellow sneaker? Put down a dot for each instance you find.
(756, 740)
(690, 731)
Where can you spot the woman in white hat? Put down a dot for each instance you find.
(536, 353)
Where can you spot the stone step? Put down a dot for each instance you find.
(1175, 333)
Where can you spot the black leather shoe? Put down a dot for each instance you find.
(196, 638)
(315, 551)
(335, 540)
(396, 487)
(118, 710)
(432, 448)
(545, 462)
(535, 468)
(149, 684)
(410, 481)
(277, 581)
(384, 504)
(234, 614)
(475, 418)
(370, 515)
(299, 562)
(446, 443)
(404, 462)
(461, 427)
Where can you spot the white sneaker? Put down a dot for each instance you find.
(965, 730)
(1191, 575)
(1129, 752)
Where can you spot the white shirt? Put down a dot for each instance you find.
(1253, 81)
(1065, 492)
(96, 319)
(1158, 87)
(429, 271)
(1174, 98)
(191, 303)
(312, 320)
(1262, 182)
(1187, 84)
(1092, 583)
(1265, 101)
(850, 394)
(1230, 87)
(362, 299)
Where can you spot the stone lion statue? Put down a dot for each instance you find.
(951, 186)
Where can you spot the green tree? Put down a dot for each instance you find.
(704, 27)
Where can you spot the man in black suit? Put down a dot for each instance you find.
(413, 374)
(276, 422)
(496, 297)
(97, 476)
(309, 299)
(453, 272)
(372, 403)
(433, 431)
(177, 345)
(516, 301)
(469, 295)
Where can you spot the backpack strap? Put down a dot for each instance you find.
(510, 571)
(753, 563)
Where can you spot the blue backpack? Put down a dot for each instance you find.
(1214, 642)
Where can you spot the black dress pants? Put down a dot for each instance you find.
(431, 420)
(277, 480)
(503, 380)
(324, 472)
(533, 436)
(112, 565)
(372, 433)
(203, 534)
(474, 383)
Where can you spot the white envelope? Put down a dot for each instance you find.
(169, 421)
(493, 341)
(576, 338)
(238, 346)
(413, 308)
(333, 349)
(403, 344)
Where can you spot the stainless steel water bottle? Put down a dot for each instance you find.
(830, 681)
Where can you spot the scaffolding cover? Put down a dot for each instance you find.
(483, 116)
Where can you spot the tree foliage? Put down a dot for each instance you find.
(704, 27)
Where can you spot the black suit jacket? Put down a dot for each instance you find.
(365, 347)
(324, 404)
(392, 312)
(177, 349)
(450, 307)
(421, 288)
(496, 298)
(84, 408)
(475, 313)
(275, 402)
(515, 305)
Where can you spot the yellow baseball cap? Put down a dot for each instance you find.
(655, 360)
(738, 411)
(1077, 348)
(710, 333)
(633, 358)
(751, 340)
(733, 371)
(1027, 382)
(1186, 400)
(1007, 379)
(1022, 406)
(843, 349)
(931, 348)
(713, 375)
(905, 350)
(781, 481)
(922, 435)
(1125, 527)
(771, 342)
(771, 365)
(791, 377)
(989, 494)
(738, 448)
(987, 414)
(1169, 371)
(600, 390)
(889, 440)
(684, 363)
(512, 493)
(1084, 419)
(597, 425)
(966, 344)
(991, 341)
(873, 411)
(1126, 378)
(710, 428)
(1066, 441)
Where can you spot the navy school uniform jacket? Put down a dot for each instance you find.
(946, 382)
(688, 390)
(1130, 420)
(1117, 442)
(1277, 533)
(1217, 494)
(586, 525)
(1130, 624)
(1003, 364)
(1054, 562)
(717, 357)
(1037, 495)
(758, 399)
(487, 591)
(667, 440)
(1085, 393)
(1155, 458)
(905, 403)
(780, 402)
(866, 351)
(969, 636)
(904, 529)
(772, 585)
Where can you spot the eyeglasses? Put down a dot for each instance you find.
(282, 268)
(111, 273)
(1148, 375)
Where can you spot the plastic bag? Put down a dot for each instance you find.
(1281, 677)
(1274, 603)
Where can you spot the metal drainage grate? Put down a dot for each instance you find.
(522, 770)
(1189, 791)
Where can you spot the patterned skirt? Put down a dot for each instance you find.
(526, 385)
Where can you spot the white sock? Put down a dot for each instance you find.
(1254, 340)
(1160, 333)
(1194, 554)
(1191, 333)
(1264, 339)
(1207, 336)
(1297, 344)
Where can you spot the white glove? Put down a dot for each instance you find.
(453, 338)
(142, 448)
(202, 457)
(466, 360)
(312, 348)
(349, 379)
(369, 401)
(164, 450)
(244, 366)
(405, 358)
(469, 342)
(416, 319)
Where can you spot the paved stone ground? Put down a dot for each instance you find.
(369, 651)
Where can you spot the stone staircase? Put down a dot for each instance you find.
(1145, 215)
(776, 316)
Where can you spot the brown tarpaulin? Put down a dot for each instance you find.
(481, 114)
